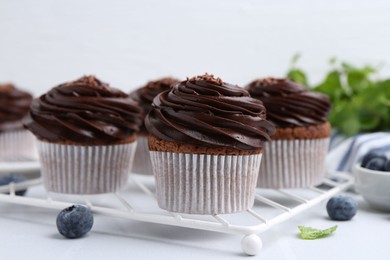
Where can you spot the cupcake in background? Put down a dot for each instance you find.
(16, 143)
(296, 156)
(206, 139)
(145, 95)
(86, 136)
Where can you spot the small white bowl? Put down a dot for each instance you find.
(374, 186)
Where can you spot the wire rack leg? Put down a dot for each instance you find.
(251, 244)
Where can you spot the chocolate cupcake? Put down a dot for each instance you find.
(15, 142)
(296, 156)
(145, 95)
(87, 136)
(206, 141)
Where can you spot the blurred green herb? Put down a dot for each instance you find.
(309, 233)
(359, 102)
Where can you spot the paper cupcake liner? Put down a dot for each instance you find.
(293, 163)
(17, 145)
(142, 162)
(76, 169)
(205, 184)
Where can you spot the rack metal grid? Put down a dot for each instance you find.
(271, 206)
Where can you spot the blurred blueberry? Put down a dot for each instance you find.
(7, 179)
(372, 155)
(341, 207)
(75, 221)
(376, 164)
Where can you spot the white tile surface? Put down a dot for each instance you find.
(31, 232)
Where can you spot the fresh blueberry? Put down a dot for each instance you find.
(376, 164)
(75, 221)
(387, 166)
(341, 207)
(7, 179)
(371, 155)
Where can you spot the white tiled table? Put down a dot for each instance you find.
(30, 232)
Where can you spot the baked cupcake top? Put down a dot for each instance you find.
(145, 95)
(15, 104)
(290, 104)
(86, 111)
(208, 112)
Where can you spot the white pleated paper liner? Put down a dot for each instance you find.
(77, 169)
(205, 184)
(142, 163)
(293, 163)
(17, 145)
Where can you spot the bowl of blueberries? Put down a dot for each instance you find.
(372, 180)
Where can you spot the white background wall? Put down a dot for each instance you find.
(126, 43)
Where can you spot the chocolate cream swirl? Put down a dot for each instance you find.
(15, 104)
(86, 111)
(208, 112)
(147, 93)
(290, 104)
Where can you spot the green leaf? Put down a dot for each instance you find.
(358, 78)
(295, 59)
(298, 76)
(309, 233)
(332, 86)
(366, 70)
(344, 117)
(383, 87)
(360, 103)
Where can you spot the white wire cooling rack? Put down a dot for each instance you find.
(138, 203)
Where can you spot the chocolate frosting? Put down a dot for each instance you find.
(208, 112)
(15, 104)
(86, 111)
(290, 104)
(147, 93)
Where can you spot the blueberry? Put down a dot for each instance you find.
(75, 221)
(341, 207)
(7, 179)
(371, 155)
(376, 164)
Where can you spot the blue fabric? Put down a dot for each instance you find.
(345, 153)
